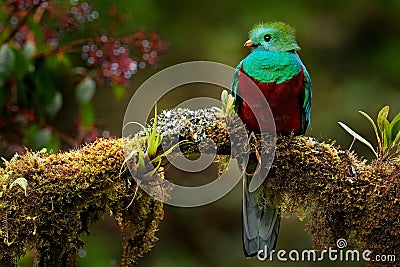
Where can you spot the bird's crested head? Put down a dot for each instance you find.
(273, 36)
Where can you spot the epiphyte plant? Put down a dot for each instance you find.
(387, 134)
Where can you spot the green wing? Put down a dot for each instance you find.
(307, 100)
(235, 84)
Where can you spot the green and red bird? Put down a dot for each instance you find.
(276, 69)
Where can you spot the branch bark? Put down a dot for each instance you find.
(343, 195)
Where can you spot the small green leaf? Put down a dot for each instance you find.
(86, 112)
(119, 91)
(387, 136)
(224, 97)
(85, 90)
(29, 50)
(154, 139)
(169, 151)
(230, 106)
(22, 182)
(395, 127)
(395, 130)
(54, 107)
(228, 103)
(358, 137)
(141, 162)
(373, 125)
(7, 61)
(382, 119)
(395, 120)
(396, 139)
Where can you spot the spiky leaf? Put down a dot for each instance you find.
(396, 139)
(154, 139)
(224, 97)
(128, 158)
(387, 136)
(373, 125)
(358, 137)
(395, 128)
(382, 119)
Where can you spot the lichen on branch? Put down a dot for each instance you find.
(343, 195)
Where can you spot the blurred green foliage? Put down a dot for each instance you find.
(53, 58)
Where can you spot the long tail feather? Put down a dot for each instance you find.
(260, 225)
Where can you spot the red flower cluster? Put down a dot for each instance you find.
(150, 45)
(60, 19)
(119, 60)
(17, 6)
(32, 31)
(77, 15)
(116, 60)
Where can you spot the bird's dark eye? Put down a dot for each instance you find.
(267, 37)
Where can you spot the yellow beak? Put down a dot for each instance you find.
(248, 43)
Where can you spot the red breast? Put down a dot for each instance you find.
(284, 100)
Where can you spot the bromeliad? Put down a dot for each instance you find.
(276, 69)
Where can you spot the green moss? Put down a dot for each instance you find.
(343, 195)
(66, 194)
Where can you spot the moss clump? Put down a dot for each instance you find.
(345, 196)
(65, 194)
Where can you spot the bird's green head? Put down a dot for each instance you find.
(273, 36)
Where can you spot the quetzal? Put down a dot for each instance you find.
(275, 67)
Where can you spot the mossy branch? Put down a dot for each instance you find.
(64, 194)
